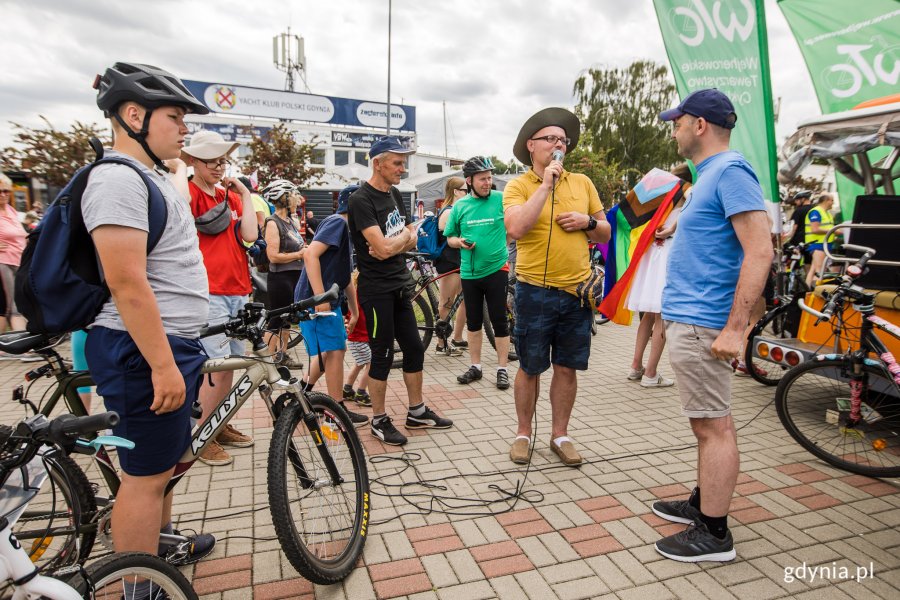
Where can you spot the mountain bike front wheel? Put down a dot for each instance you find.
(318, 493)
(813, 401)
(134, 575)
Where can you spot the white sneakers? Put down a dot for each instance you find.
(658, 381)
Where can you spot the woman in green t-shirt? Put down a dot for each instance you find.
(475, 225)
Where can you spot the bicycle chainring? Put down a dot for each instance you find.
(104, 526)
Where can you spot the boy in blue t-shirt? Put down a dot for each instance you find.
(328, 261)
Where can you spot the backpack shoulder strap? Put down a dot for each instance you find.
(157, 211)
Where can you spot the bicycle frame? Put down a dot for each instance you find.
(258, 373)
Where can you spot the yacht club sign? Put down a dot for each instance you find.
(277, 104)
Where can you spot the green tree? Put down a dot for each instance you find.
(277, 155)
(620, 109)
(50, 154)
(610, 177)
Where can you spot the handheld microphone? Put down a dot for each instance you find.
(558, 156)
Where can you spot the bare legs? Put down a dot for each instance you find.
(718, 463)
(563, 387)
(652, 331)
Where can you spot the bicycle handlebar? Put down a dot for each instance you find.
(837, 298)
(822, 316)
(65, 427)
(256, 312)
(63, 431)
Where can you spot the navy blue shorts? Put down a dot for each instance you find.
(123, 378)
(551, 326)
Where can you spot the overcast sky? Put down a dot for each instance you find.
(493, 62)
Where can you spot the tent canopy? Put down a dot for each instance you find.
(844, 134)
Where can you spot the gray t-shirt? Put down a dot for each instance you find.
(116, 195)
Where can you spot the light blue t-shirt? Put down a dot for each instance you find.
(706, 255)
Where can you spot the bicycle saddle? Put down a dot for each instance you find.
(20, 342)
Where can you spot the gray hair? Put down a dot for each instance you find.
(5, 179)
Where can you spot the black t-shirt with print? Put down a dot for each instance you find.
(368, 206)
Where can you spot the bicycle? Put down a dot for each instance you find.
(426, 307)
(24, 453)
(845, 409)
(317, 479)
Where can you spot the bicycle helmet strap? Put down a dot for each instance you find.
(141, 137)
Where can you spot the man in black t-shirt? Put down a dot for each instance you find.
(381, 232)
(802, 204)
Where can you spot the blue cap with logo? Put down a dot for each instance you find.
(388, 143)
(711, 104)
(344, 198)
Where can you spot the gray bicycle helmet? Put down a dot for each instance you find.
(148, 86)
(477, 164)
(276, 189)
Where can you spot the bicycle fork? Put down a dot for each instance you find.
(311, 421)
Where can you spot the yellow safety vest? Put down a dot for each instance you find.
(825, 224)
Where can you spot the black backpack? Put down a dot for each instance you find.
(59, 287)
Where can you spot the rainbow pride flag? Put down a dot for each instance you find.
(634, 222)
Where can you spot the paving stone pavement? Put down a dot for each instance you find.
(573, 533)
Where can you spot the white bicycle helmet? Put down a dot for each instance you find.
(276, 189)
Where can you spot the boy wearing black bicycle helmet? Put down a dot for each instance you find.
(143, 347)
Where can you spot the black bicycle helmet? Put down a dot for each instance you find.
(147, 85)
(477, 164)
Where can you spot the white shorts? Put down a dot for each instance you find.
(361, 352)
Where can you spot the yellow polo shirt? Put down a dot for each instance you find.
(568, 261)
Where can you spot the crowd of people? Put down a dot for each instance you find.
(145, 353)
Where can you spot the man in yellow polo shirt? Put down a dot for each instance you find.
(552, 214)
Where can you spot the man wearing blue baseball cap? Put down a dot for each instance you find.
(720, 258)
(381, 231)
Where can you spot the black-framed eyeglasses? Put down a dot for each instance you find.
(215, 164)
(5, 191)
(552, 139)
(463, 190)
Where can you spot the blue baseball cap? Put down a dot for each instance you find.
(388, 143)
(711, 104)
(344, 198)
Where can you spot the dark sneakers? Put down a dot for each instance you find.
(385, 431)
(357, 419)
(197, 547)
(677, 511)
(473, 374)
(697, 544)
(428, 420)
(502, 379)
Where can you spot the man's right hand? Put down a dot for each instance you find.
(552, 173)
(168, 389)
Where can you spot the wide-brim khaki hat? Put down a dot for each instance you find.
(209, 145)
(553, 116)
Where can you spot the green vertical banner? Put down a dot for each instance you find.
(722, 44)
(852, 51)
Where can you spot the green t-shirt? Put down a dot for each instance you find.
(479, 220)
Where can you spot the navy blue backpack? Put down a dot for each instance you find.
(429, 241)
(59, 287)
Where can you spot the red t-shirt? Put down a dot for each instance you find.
(359, 333)
(225, 259)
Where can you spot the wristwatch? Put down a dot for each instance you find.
(592, 224)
